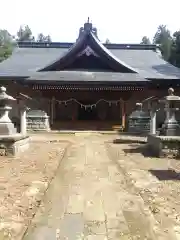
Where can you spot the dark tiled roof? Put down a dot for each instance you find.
(148, 64)
(79, 76)
(133, 58)
(26, 61)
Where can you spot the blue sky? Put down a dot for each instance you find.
(120, 21)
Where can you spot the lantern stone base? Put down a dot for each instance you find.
(13, 145)
(163, 146)
(170, 129)
(7, 128)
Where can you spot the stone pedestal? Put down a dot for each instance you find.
(13, 145)
(163, 146)
(168, 142)
(38, 120)
(139, 121)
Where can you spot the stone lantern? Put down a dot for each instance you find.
(6, 125)
(170, 126)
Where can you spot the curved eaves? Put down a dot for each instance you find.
(112, 56)
(79, 46)
(73, 51)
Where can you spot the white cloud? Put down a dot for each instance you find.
(120, 21)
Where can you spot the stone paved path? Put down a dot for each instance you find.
(90, 198)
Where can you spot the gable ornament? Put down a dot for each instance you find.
(88, 51)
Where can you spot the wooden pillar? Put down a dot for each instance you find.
(123, 114)
(52, 110)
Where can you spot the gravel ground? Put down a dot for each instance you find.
(109, 191)
(23, 181)
(155, 180)
(140, 195)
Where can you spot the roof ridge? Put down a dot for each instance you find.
(131, 46)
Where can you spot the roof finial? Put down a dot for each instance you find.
(88, 28)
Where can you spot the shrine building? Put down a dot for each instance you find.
(87, 84)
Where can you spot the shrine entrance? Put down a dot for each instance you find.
(87, 114)
(85, 110)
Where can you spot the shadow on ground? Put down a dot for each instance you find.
(127, 141)
(142, 149)
(165, 175)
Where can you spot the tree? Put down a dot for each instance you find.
(6, 44)
(175, 49)
(48, 38)
(107, 41)
(42, 38)
(25, 34)
(145, 40)
(164, 39)
(5, 36)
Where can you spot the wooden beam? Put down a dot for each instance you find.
(89, 88)
(123, 113)
(52, 110)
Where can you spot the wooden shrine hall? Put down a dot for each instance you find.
(87, 84)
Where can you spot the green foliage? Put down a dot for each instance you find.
(25, 34)
(145, 40)
(164, 39)
(42, 38)
(107, 41)
(169, 45)
(175, 50)
(6, 44)
(5, 52)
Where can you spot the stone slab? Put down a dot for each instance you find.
(161, 146)
(7, 128)
(13, 145)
